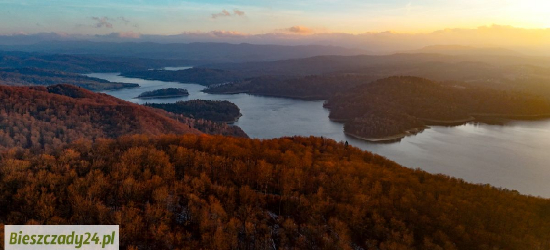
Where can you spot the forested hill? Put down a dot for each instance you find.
(392, 106)
(395, 62)
(42, 77)
(82, 63)
(217, 111)
(212, 192)
(313, 87)
(528, 74)
(201, 76)
(43, 118)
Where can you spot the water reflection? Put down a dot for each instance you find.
(514, 156)
(175, 68)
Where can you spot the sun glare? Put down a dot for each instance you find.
(537, 11)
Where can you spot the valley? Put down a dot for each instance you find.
(275, 125)
(439, 149)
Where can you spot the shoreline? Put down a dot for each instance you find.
(448, 123)
(234, 120)
(159, 97)
(133, 86)
(513, 117)
(307, 98)
(474, 117)
(338, 120)
(459, 122)
(390, 138)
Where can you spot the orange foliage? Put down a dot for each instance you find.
(212, 192)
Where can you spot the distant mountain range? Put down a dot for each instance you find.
(396, 64)
(527, 41)
(204, 52)
(81, 63)
(523, 73)
(464, 50)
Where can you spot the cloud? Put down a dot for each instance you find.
(227, 34)
(129, 35)
(124, 20)
(120, 35)
(127, 22)
(298, 30)
(103, 22)
(408, 8)
(238, 12)
(225, 13)
(107, 22)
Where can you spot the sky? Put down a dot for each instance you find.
(168, 17)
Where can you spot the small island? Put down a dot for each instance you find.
(163, 93)
(217, 111)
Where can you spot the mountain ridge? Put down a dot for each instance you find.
(197, 51)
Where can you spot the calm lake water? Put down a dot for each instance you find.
(513, 156)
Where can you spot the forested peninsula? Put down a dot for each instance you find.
(395, 107)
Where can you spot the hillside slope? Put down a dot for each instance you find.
(48, 117)
(315, 87)
(529, 74)
(212, 192)
(42, 77)
(390, 107)
(81, 63)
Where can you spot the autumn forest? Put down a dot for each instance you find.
(211, 192)
(277, 125)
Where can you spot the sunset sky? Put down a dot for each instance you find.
(165, 17)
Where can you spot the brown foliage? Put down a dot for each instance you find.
(211, 192)
(41, 118)
(394, 105)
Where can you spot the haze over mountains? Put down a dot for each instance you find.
(80, 63)
(526, 41)
(199, 52)
(514, 72)
(327, 64)
(464, 50)
(256, 125)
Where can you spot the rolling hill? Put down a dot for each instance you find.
(213, 192)
(43, 118)
(42, 77)
(393, 107)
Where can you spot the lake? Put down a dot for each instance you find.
(513, 156)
